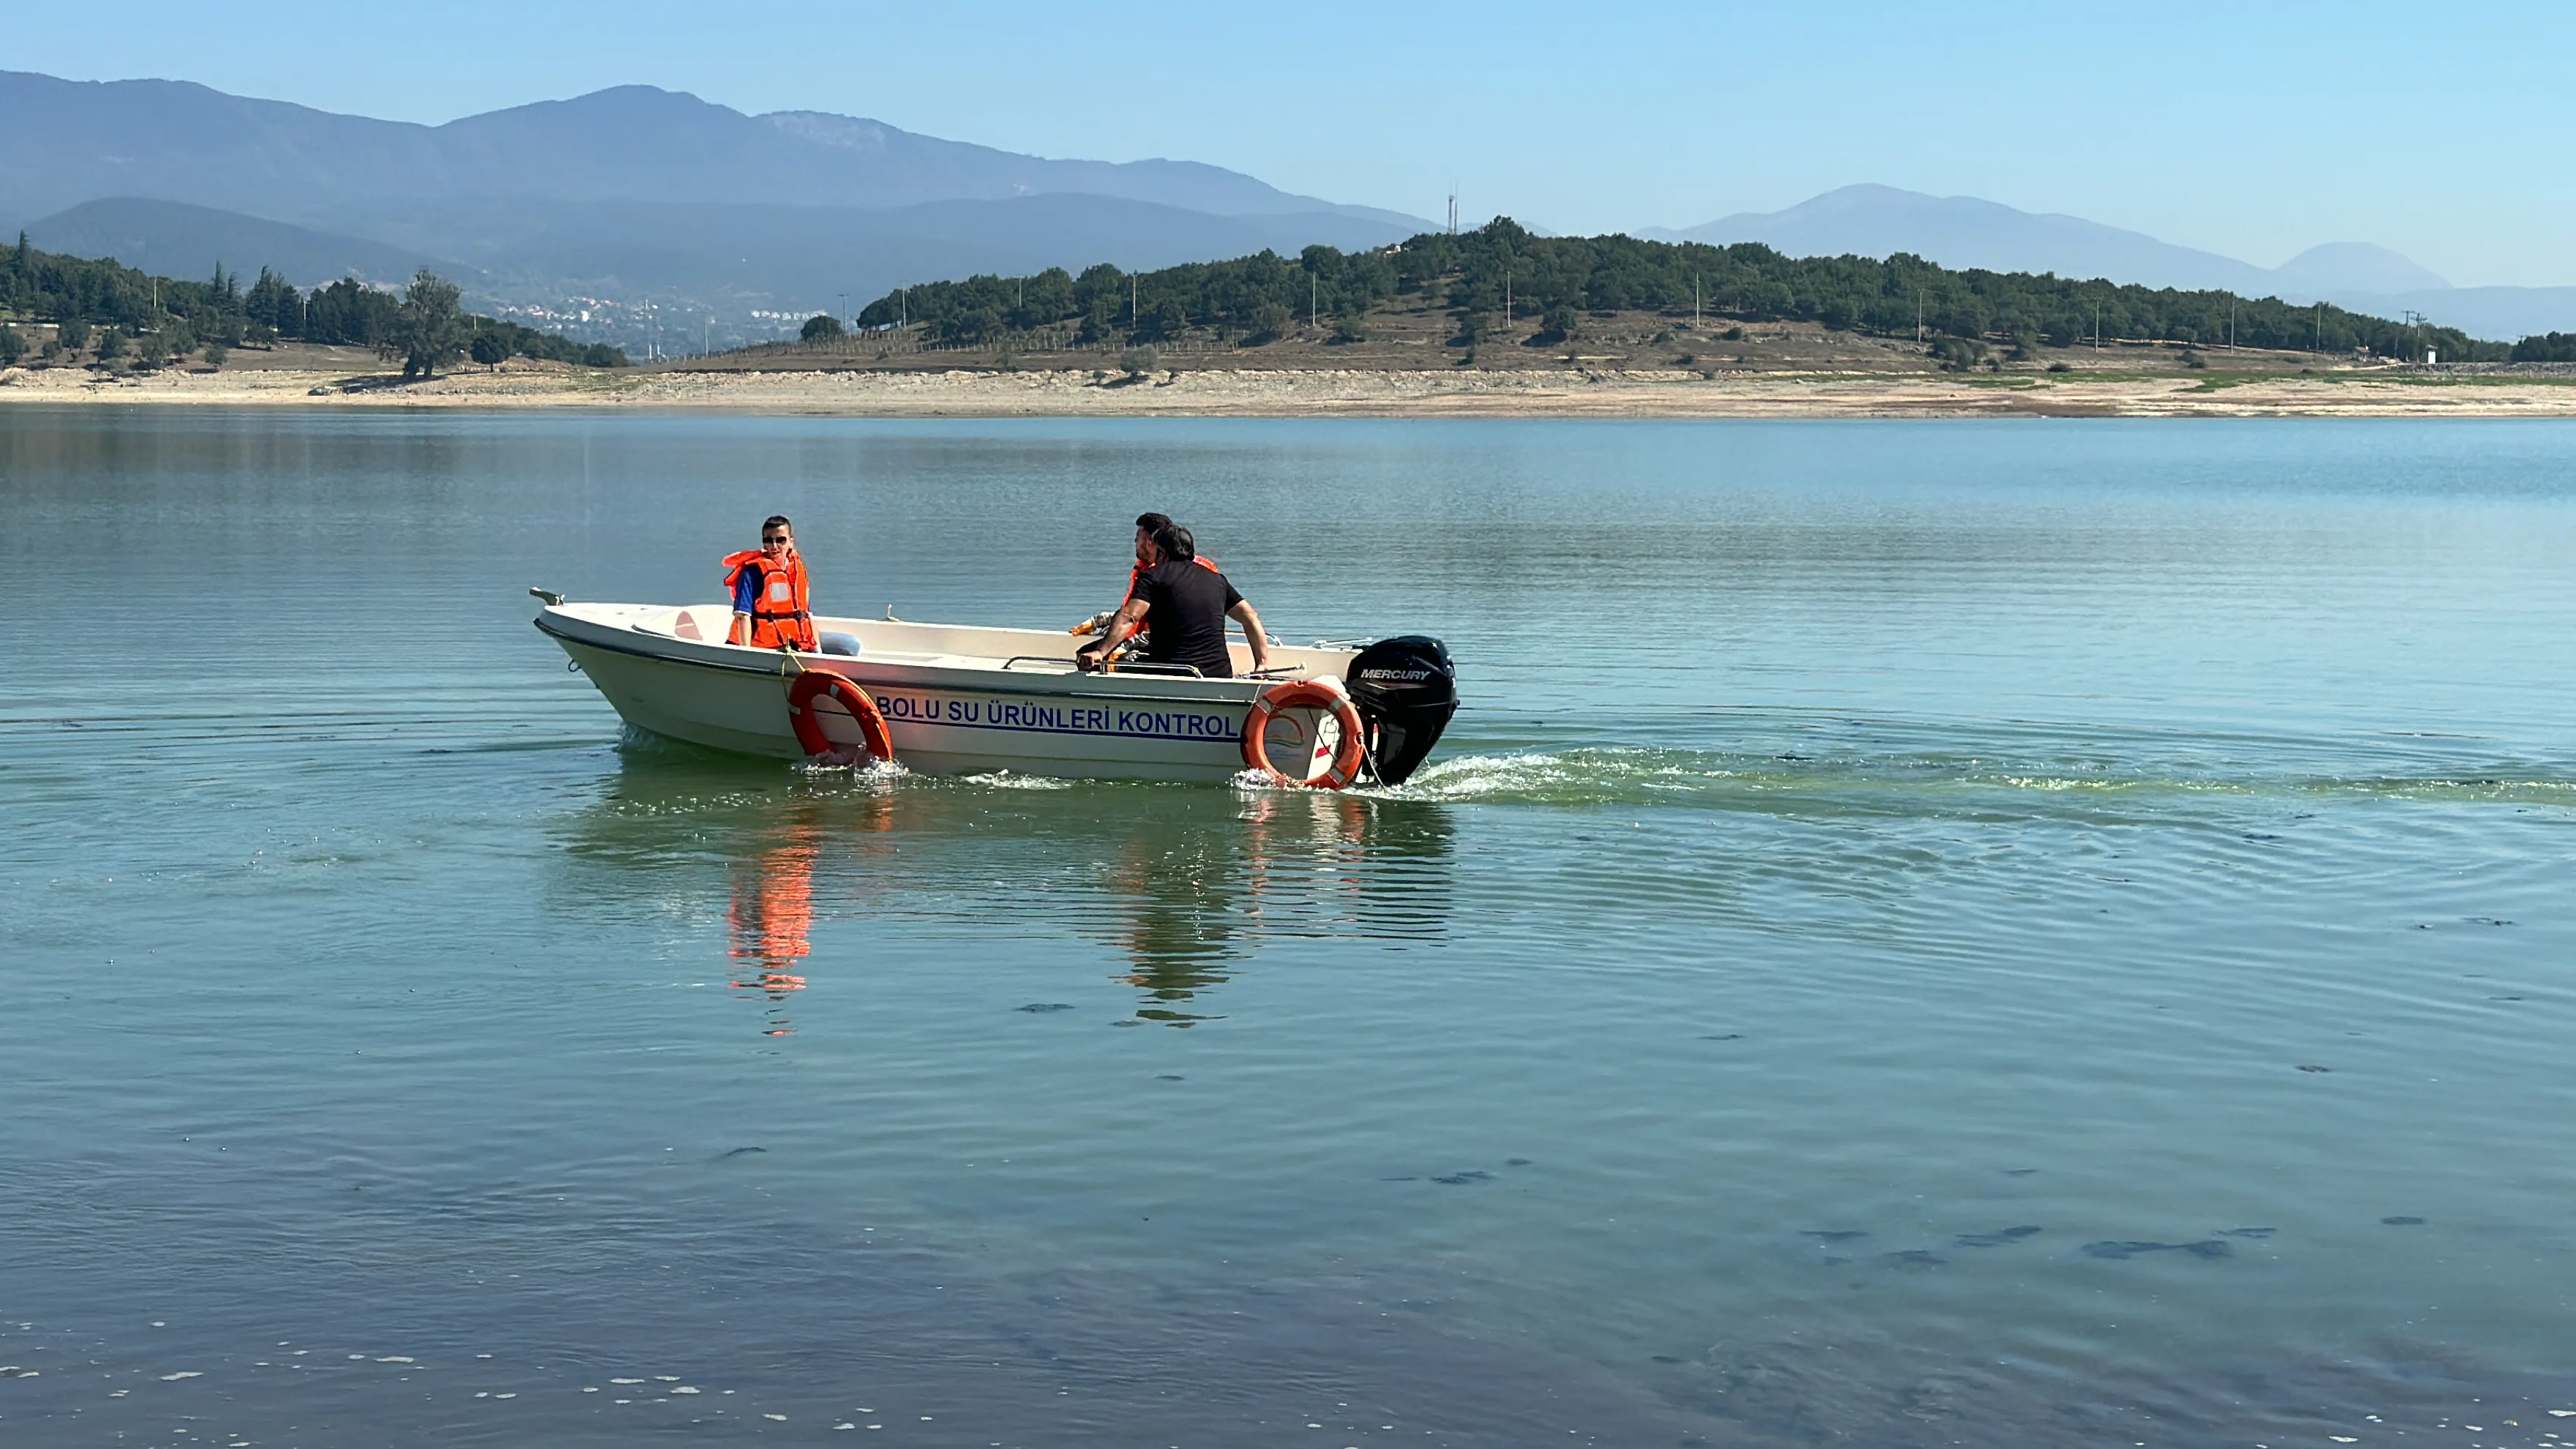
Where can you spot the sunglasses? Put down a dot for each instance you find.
(768, 538)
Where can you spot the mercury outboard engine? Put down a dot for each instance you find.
(1405, 689)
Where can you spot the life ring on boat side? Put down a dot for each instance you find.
(810, 687)
(1305, 694)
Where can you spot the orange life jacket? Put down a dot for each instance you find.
(1138, 572)
(773, 904)
(780, 615)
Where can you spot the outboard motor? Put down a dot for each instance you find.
(1405, 689)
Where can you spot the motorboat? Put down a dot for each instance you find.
(953, 699)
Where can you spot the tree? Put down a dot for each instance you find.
(215, 354)
(1166, 320)
(72, 334)
(12, 346)
(821, 327)
(1556, 325)
(2546, 347)
(348, 312)
(1269, 321)
(429, 328)
(490, 350)
(111, 345)
(271, 302)
(1139, 360)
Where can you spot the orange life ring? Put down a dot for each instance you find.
(812, 685)
(1306, 694)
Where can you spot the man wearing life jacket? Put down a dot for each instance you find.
(1189, 607)
(770, 608)
(1148, 527)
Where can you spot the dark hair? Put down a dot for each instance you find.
(1153, 523)
(1175, 542)
(776, 520)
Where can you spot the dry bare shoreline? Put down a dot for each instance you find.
(1462, 393)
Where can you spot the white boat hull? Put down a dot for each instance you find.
(956, 700)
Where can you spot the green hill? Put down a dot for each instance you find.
(1560, 281)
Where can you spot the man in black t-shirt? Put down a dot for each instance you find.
(1187, 605)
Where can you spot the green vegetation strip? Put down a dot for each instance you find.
(123, 316)
(1502, 271)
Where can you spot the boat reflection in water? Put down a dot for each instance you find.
(772, 918)
(1188, 884)
(1192, 897)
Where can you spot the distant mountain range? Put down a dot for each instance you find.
(1962, 231)
(633, 213)
(606, 202)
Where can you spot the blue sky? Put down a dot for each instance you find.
(2254, 129)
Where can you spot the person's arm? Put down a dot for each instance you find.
(1130, 615)
(745, 589)
(1242, 613)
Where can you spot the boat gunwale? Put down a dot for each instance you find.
(1238, 691)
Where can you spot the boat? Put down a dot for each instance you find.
(954, 699)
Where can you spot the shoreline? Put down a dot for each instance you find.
(1277, 393)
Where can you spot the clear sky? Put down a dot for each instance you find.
(2255, 128)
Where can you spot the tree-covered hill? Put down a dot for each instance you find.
(105, 295)
(1478, 274)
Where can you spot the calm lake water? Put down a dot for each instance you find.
(2024, 933)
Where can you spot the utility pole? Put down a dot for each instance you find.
(2321, 327)
(2231, 325)
(1314, 300)
(2097, 325)
(1694, 301)
(1918, 314)
(1132, 323)
(1453, 211)
(1507, 299)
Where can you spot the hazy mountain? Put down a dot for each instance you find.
(2501, 313)
(592, 267)
(175, 239)
(636, 198)
(2355, 267)
(66, 142)
(803, 256)
(1963, 231)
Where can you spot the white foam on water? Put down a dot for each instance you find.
(1006, 780)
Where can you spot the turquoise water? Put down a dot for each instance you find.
(2016, 933)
